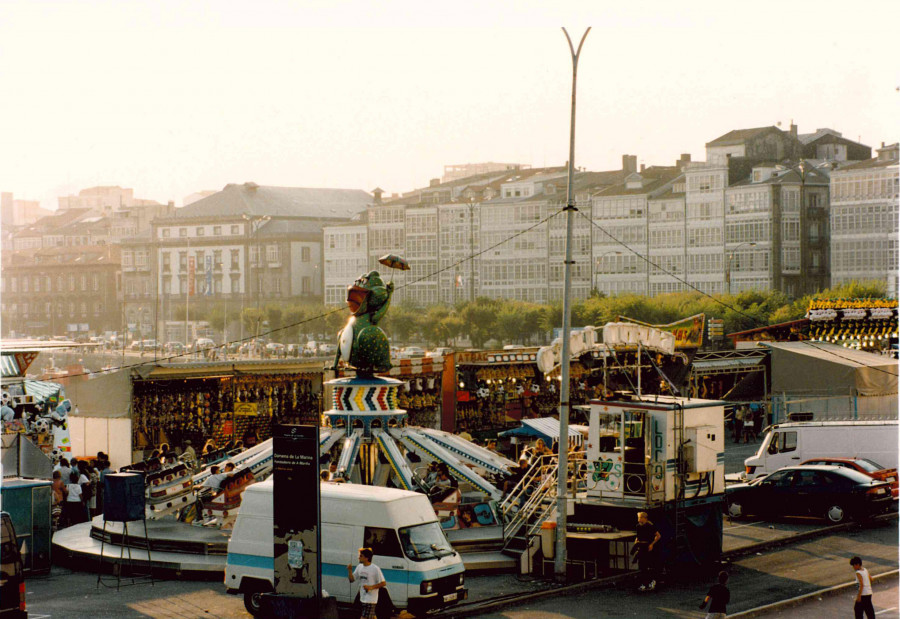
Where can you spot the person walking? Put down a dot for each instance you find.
(717, 598)
(738, 423)
(644, 548)
(371, 580)
(863, 602)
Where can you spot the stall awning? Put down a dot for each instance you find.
(9, 366)
(717, 365)
(546, 428)
(823, 369)
(41, 390)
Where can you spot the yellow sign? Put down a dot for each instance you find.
(688, 332)
(246, 408)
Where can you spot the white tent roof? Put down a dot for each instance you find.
(819, 368)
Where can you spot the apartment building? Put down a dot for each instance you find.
(499, 235)
(864, 211)
(244, 246)
(61, 290)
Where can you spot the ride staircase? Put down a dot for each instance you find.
(530, 503)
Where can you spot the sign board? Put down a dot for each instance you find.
(246, 408)
(228, 427)
(688, 332)
(298, 566)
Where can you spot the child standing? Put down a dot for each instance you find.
(863, 603)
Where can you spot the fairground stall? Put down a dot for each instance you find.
(429, 392)
(221, 401)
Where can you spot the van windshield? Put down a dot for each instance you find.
(425, 541)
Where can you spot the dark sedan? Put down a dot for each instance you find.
(829, 492)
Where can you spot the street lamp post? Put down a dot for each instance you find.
(728, 260)
(597, 263)
(562, 470)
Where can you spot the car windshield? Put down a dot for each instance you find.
(425, 541)
(869, 466)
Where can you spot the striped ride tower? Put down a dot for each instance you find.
(365, 403)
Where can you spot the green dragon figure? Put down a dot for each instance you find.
(361, 343)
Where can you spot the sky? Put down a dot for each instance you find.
(172, 97)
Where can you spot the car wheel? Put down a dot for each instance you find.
(253, 598)
(836, 514)
(736, 510)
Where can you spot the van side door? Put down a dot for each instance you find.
(339, 549)
(385, 543)
(782, 450)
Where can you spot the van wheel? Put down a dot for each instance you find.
(253, 597)
(836, 514)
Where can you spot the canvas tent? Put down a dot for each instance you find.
(546, 428)
(831, 381)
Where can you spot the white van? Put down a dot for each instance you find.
(787, 444)
(421, 569)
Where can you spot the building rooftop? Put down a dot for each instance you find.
(653, 178)
(739, 136)
(252, 199)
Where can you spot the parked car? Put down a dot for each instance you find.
(440, 352)
(274, 349)
(174, 348)
(202, 343)
(864, 466)
(293, 350)
(327, 349)
(412, 352)
(12, 581)
(831, 492)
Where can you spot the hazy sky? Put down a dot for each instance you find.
(175, 96)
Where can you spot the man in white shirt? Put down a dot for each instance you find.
(371, 580)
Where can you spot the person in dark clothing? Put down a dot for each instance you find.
(644, 547)
(717, 598)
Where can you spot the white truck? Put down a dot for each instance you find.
(787, 444)
(421, 569)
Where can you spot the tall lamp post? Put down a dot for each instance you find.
(562, 475)
(597, 263)
(728, 263)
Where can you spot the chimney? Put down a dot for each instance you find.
(643, 166)
(629, 163)
(377, 193)
(683, 160)
(793, 130)
(434, 182)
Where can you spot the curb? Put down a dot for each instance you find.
(478, 608)
(492, 604)
(800, 599)
(801, 537)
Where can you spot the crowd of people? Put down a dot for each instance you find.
(77, 490)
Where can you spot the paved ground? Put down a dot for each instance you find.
(884, 599)
(756, 580)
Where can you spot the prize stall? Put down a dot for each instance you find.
(224, 402)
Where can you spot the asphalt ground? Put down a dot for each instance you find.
(779, 561)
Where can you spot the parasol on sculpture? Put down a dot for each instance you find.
(394, 261)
